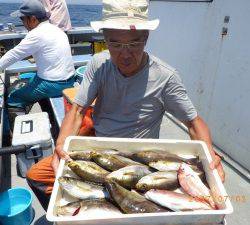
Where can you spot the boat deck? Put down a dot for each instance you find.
(237, 187)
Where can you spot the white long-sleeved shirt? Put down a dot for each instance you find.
(50, 48)
(58, 13)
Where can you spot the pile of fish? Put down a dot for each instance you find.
(110, 182)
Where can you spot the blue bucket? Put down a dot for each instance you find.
(15, 207)
(79, 73)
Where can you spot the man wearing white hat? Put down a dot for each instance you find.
(133, 88)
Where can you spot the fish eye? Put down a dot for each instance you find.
(144, 187)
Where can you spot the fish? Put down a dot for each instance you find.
(193, 185)
(176, 201)
(158, 180)
(80, 155)
(129, 176)
(110, 151)
(130, 201)
(127, 154)
(69, 209)
(91, 208)
(113, 151)
(111, 162)
(67, 172)
(86, 154)
(155, 155)
(89, 171)
(82, 190)
(128, 160)
(164, 165)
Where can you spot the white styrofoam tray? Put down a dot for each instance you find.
(183, 147)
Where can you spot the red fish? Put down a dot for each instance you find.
(192, 184)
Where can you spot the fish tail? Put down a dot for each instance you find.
(212, 204)
(107, 181)
(208, 201)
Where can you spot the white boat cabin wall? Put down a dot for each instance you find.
(208, 42)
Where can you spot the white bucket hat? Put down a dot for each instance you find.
(125, 15)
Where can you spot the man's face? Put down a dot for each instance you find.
(29, 22)
(126, 49)
(25, 21)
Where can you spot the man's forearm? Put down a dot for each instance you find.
(71, 124)
(198, 130)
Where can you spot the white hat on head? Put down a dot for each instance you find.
(125, 15)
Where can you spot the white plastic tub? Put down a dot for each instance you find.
(167, 218)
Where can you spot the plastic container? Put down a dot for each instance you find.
(16, 207)
(29, 75)
(183, 147)
(80, 73)
(32, 130)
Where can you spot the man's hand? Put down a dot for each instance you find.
(70, 126)
(61, 154)
(216, 164)
(58, 154)
(198, 130)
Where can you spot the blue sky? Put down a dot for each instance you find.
(88, 2)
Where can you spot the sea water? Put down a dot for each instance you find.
(80, 15)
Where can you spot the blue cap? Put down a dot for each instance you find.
(30, 8)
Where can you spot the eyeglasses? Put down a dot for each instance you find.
(133, 46)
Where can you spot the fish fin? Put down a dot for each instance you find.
(129, 173)
(160, 178)
(77, 211)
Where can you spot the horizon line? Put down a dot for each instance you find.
(67, 4)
